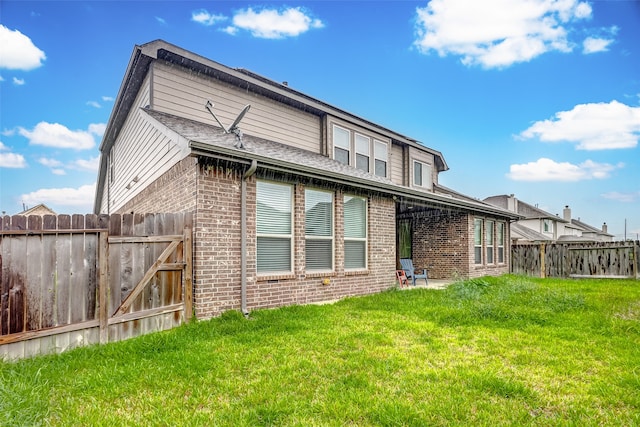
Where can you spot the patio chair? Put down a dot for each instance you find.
(402, 279)
(411, 273)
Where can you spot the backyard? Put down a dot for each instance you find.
(490, 351)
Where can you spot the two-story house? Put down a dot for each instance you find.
(538, 225)
(306, 203)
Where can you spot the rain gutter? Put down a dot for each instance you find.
(205, 149)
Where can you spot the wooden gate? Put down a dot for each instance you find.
(67, 281)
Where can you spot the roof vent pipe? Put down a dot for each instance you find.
(243, 237)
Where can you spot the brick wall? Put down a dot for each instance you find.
(217, 255)
(301, 287)
(441, 243)
(494, 269)
(174, 191)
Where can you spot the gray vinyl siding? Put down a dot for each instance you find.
(142, 150)
(178, 92)
(396, 164)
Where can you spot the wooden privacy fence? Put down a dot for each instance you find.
(594, 259)
(71, 280)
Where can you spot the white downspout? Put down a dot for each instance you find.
(243, 237)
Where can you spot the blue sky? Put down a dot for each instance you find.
(538, 98)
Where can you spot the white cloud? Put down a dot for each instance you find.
(97, 128)
(58, 171)
(94, 104)
(597, 126)
(274, 24)
(57, 135)
(497, 33)
(18, 82)
(203, 17)
(17, 51)
(81, 197)
(595, 44)
(1, 79)
(160, 20)
(50, 163)
(11, 160)
(548, 170)
(107, 98)
(90, 165)
(622, 197)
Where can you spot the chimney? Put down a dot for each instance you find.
(512, 203)
(566, 213)
(604, 228)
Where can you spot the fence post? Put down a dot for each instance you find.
(636, 261)
(103, 287)
(543, 272)
(188, 274)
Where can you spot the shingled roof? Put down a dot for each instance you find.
(210, 141)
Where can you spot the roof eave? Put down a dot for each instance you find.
(205, 150)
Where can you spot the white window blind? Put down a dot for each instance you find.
(355, 232)
(318, 207)
(341, 144)
(363, 149)
(380, 155)
(422, 174)
(274, 229)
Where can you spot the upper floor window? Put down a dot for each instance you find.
(477, 241)
(363, 148)
(274, 227)
(380, 154)
(341, 145)
(360, 151)
(421, 174)
(355, 232)
(318, 225)
(547, 226)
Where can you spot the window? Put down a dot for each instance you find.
(500, 242)
(380, 155)
(477, 240)
(421, 174)
(318, 225)
(274, 230)
(489, 240)
(363, 148)
(404, 238)
(341, 144)
(547, 226)
(355, 232)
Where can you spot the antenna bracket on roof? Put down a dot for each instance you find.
(234, 129)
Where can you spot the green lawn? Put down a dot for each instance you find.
(491, 351)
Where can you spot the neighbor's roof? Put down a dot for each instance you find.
(521, 232)
(40, 209)
(524, 209)
(210, 141)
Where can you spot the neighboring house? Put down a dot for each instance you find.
(541, 226)
(40, 210)
(308, 203)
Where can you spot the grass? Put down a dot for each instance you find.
(490, 351)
